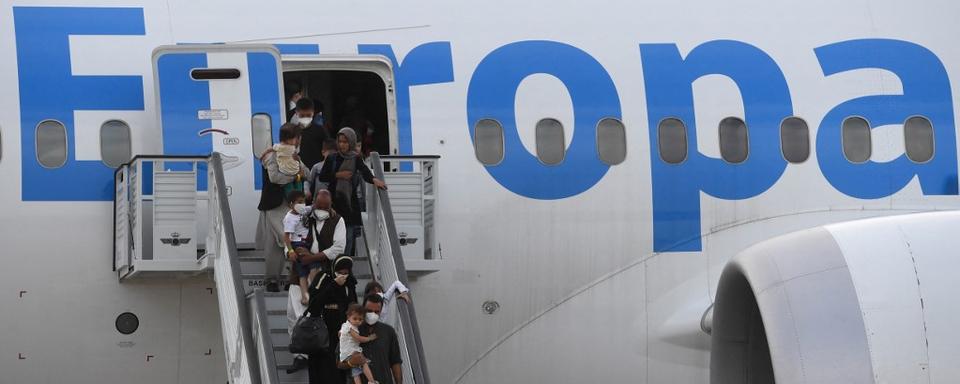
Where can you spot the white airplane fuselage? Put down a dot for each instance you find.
(600, 271)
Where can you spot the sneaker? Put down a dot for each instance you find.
(298, 364)
(273, 287)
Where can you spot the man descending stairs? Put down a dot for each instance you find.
(252, 272)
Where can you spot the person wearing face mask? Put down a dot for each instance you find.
(297, 236)
(384, 351)
(328, 234)
(313, 134)
(330, 293)
(342, 172)
(396, 290)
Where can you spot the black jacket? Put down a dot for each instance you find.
(271, 196)
(311, 144)
(351, 214)
(323, 291)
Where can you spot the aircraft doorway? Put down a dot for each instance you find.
(357, 94)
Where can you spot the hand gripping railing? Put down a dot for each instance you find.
(387, 265)
(242, 362)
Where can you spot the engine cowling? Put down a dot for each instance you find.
(868, 301)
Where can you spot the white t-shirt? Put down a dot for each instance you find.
(293, 225)
(347, 344)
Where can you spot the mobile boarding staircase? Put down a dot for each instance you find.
(162, 203)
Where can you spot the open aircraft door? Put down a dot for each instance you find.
(213, 98)
(338, 65)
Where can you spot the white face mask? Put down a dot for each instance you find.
(304, 121)
(292, 105)
(302, 209)
(320, 214)
(372, 318)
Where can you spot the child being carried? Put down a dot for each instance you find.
(350, 340)
(296, 235)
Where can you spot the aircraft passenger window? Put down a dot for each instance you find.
(51, 144)
(262, 133)
(795, 140)
(611, 141)
(551, 147)
(672, 140)
(488, 141)
(918, 134)
(115, 143)
(856, 139)
(734, 141)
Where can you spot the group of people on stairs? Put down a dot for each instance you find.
(310, 217)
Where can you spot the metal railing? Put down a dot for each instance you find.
(414, 186)
(261, 337)
(387, 264)
(134, 213)
(235, 324)
(131, 232)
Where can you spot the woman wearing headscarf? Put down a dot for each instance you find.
(331, 291)
(342, 172)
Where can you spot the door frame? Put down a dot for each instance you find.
(377, 64)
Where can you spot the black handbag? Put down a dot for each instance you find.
(309, 334)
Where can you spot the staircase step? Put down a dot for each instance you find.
(277, 321)
(280, 338)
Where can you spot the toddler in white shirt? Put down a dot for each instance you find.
(350, 340)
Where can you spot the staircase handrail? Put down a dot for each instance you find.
(378, 208)
(228, 256)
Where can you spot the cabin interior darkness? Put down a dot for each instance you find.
(349, 98)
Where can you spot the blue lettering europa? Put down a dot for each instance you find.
(43, 59)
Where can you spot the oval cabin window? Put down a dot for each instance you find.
(918, 137)
(51, 144)
(795, 140)
(611, 141)
(488, 141)
(115, 143)
(855, 133)
(734, 141)
(551, 147)
(672, 140)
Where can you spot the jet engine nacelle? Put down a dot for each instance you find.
(869, 301)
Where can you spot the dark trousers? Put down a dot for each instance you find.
(353, 231)
(323, 367)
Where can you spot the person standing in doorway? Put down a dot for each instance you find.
(342, 172)
(312, 132)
